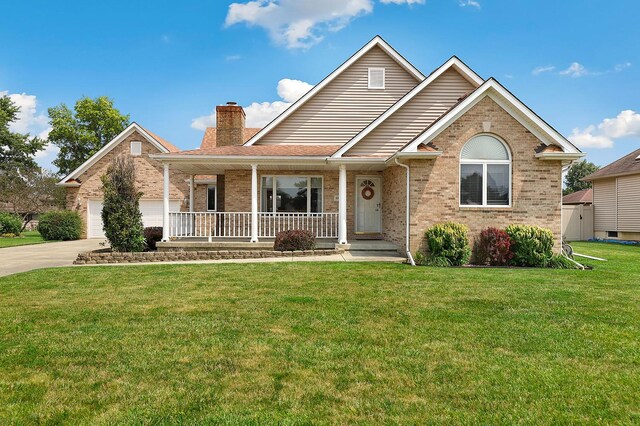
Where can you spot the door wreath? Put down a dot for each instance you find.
(367, 192)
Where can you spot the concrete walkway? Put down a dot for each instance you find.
(345, 257)
(46, 255)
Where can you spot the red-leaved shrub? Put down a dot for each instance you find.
(294, 240)
(152, 235)
(493, 247)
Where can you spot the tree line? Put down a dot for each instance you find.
(26, 188)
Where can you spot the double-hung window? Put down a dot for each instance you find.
(291, 194)
(485, 173)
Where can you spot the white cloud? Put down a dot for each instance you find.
(621, 67)
(625, 125)
(232, 58)
(542, 69)
(299, 24)
(472, 3)
(259, 114)
(292, 90)
(589, 138)
(28, 120)
(35, 123)
(402, 1)
(575, 70)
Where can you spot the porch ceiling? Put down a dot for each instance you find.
(217, 168)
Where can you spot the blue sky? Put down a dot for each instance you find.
(168, 63)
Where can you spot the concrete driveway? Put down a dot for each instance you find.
(47, 255)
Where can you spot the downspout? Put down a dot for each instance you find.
(407, 225)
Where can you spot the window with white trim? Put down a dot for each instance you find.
(376, 78)
(485, 173)
(136, 148)
(291, 194)
(212, 198)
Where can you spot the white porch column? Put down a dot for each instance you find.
(254, 203)
(342, 205)
(191, 187)
(165, 205)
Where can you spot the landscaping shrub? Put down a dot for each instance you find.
(152, 235)
(294, 240)
(60, 225)
(530, 245)
(10, 224)
(121, 216)
(448, 241)
(493, 247)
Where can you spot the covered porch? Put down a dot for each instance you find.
(339, 202)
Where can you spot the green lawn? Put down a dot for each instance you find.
(27, 237)
(323, 343)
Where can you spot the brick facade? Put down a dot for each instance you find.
(394, 201)
(149, 177)
(536, 185)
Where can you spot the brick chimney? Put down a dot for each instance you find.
(229, 124)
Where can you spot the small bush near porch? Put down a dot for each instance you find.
(323, 343)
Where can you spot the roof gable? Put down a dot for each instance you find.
(467, 80)
(162, 145)
(627, 165)
(376, 43)
(506, 100)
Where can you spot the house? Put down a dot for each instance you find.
(616, 198)
(584, 197)
(376, 150)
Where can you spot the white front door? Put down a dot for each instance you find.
(368, 205)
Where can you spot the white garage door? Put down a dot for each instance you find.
(151, 215)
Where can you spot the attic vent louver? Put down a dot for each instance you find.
(376, 78)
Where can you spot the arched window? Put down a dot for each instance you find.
(485, 173)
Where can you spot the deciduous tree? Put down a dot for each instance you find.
(82, 132)
(577, 171)
(17, 151)
(31, 192)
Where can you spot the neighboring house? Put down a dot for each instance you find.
(616, 198)
(577, 215)
(376, 150)
(31, 218)
(584, 197)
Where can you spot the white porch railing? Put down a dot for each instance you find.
(209, 224)
(322, 225)
(238, 224)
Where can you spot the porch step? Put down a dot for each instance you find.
(373, 245)
(368, 237)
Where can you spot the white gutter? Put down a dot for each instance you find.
(407, 235)
(552, 156)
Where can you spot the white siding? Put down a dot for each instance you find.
(345, 106)
(413, 117)
(629, 203)
(605, 205)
